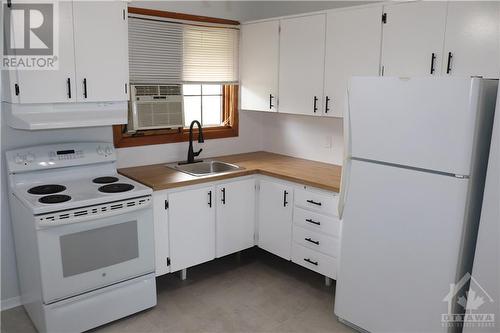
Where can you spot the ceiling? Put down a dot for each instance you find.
(244, 10)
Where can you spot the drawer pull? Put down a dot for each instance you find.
(313, 222)
(311, 241)
(315, 263)
(314, 202)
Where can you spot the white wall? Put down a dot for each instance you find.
(314, 138)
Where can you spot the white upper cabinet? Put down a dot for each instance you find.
(92, 48)
(101, 51)
(49, 86)
(235, 224)
(353, 38)
(275, 218)
(259, 66)
(301, 64)
(413, 38)
(472, 40)
(192, 227)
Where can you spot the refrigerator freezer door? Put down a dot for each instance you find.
(400, 239)
(420, 122)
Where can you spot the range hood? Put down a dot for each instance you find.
(65, 115)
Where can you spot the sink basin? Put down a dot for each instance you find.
(205, 168)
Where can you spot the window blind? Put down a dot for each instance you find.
(210, 54)
(155, 51)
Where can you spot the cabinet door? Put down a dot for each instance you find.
(352, 49)
(472, 40)
(101, 50)
(412, 37)
(301, 69)
(160, 215)
(192, 227)
(53, 86)
(275, 218)
(259, 66)
(235, 225)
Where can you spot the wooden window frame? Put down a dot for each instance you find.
(230, 95)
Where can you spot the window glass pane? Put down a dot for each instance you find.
(212, 89)
(212, 110)
(192, 89)
(192, 109)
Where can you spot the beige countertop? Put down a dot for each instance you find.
(315, 174)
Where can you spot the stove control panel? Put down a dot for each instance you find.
(59, 155)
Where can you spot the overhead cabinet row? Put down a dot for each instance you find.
(302, 65)
(92, 58)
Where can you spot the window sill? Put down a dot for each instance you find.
(123, 141)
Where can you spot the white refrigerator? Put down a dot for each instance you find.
(412, 184)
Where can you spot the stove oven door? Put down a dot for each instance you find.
(79, 257)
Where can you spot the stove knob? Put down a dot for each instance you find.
(109, 151)
(100, 151)
(30, 157)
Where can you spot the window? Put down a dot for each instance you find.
(203, 102)
(173, 48)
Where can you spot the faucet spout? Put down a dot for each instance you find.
(191, 153)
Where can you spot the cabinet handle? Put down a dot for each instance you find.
(85, 88)
(285, 193)
(433, 59)
(68, 82)
(223, 195)
(448, 66)
(326, 104)
(311, 262)
(210, 199)
(313, 222)
(16, 89)
(315, 104)
(271, 101)
(314, 202)
(311, 241)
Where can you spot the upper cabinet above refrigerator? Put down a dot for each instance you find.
(413, 35)
(441, 38)
(472, 39)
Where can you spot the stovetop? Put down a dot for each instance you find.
(61, 194)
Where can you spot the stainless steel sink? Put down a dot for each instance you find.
(205, 168)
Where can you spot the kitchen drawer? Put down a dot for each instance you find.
(314, 260)
(318, 222)
(316, 241)
(320, 202)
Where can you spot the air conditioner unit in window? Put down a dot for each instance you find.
(155, 107)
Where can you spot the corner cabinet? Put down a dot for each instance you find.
(235, 223)
(259, 66)
(93, 58)
(275, 218)
(301, 64)
(352, 49)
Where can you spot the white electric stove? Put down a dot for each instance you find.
(83, 234)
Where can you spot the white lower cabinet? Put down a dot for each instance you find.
(275, 218)
(235, 222)
(199, 223)
(191, 218)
